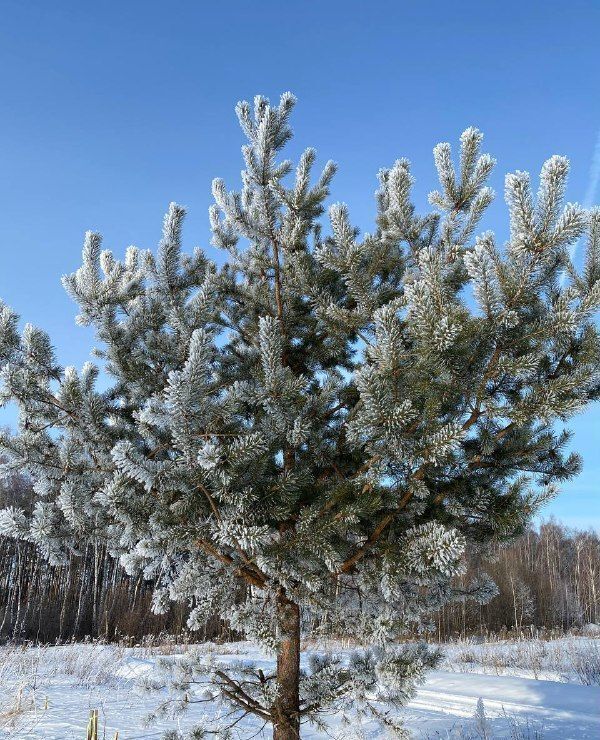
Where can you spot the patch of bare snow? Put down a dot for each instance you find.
(47, 693)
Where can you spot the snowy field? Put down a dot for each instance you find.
(529, 689)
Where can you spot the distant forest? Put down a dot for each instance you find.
(548, 579)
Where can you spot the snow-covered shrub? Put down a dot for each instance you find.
(585, 661)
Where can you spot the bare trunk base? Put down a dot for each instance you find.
(286, 711)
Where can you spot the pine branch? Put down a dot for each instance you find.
(240, 697)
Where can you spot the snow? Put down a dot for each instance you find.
(47, 692)
(559, 710)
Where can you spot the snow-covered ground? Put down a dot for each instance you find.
(530, 690)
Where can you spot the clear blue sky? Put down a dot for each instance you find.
(109, 110)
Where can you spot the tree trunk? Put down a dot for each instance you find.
(286, 711)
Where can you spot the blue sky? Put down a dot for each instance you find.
(110, 110)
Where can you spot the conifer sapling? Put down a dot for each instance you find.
(317, 430)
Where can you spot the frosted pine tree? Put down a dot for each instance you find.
(316, 431)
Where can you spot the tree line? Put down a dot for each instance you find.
(88, 596)
(549, 578)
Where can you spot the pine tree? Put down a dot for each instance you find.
(317, 430)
